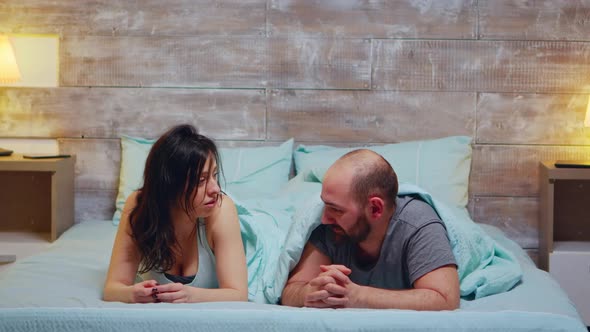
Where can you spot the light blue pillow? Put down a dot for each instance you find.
(134, 152)
(248, 172)
(440, 166)
(256, 172)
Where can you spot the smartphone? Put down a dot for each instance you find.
(572, 164)
(5, 152)
(45, 156)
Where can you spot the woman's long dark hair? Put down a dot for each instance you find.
(171, 177)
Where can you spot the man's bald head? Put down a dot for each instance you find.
(371, 175)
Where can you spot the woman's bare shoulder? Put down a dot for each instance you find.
(130, 202)
(224, 213)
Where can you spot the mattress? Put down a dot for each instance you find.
(61, 290)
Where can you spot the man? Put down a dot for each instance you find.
(373, 249)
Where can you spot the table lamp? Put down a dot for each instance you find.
(577, 163)
(9, 72)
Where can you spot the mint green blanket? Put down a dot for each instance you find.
(275, 231)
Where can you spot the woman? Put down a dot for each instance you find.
(179, 236)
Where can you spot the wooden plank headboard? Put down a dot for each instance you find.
(513, 75)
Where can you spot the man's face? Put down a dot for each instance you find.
(341, 212)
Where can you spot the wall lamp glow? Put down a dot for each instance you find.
(9, 72)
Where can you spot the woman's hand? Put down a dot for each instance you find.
(173, 293)
(144, 292)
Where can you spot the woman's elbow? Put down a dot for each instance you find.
(243, 296)
(233, 294)
(453, 302)
(452, 306)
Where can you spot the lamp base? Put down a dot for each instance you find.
(572, 164)
(4, 152)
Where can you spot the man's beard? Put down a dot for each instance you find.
(358, 234)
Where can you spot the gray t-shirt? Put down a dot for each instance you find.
(416, 243)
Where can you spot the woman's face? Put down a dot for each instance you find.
(207, 197)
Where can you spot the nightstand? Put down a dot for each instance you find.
(36, 197)
(564, 232)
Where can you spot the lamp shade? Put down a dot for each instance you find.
(9, 72)
(587, 120)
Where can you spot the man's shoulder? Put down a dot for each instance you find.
(415, 212)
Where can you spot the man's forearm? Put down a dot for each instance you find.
(294, 294)
(413, 299)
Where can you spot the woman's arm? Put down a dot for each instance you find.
(125, 259)
(230, 258)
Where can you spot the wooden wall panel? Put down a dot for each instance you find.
(532, 119)
(110, 112)
(256, 72)
(375, 19)
(517, 217)
(513, 170)
(97, 162)
(145, 17)
(367, 116)
(534, 20)
(94, 204)
(215, 62)
(485, 66)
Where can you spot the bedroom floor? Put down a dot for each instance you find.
(21, 244)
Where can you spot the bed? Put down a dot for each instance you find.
(61, 289)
